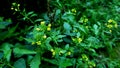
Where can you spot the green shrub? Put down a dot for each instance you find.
(73, 34)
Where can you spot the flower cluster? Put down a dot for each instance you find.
(111, 24)
(15, 7)
(83, 19)
(77, 40)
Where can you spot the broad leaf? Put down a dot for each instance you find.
(20, 63)
(36, 61)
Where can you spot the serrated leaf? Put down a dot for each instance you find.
(20, 63)
(36, 61)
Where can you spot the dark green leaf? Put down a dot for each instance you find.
(20, 63)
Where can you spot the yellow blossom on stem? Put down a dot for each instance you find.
(110, 31)
(53, 53)
(33, 43)
(110, 21)
(51, 50)
(18, 5)
(49, 25)
(116, 25)
(48, 29)
(85, 20)
(69, 53)
(44, 36)
(61, 52)
(38, 29)
(12, 8)
(38, 43)
(42, 22)
(109, 26)
(79, 40)
(73, 10)
(84, 57)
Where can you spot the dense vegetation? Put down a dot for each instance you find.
(60, 34)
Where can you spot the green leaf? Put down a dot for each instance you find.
(67, 26)
(20, 63)
(1, 54)
(7, 51)
(95, 29)
(3, 25)
(19, 51)
(67, 47)
(36, 61)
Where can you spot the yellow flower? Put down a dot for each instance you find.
(44, 36)
(12, 8)
(16, 9)
(51, 50)
(42, 22)
(69, 53)
(91, 63)
(110, 31)
(84, 57)
(109, 26)
(53, 53)
(48, 29)
(33, 43)
(61, 52)
(38, 29)
(18, 5)
(49, 25)
(38, 43)
(73, 10)
(110, 21)
(13, 4)
(79, 40)
(116, 25)
(85, 20)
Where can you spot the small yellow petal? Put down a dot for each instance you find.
(49, 25)
(48, 29)
(110, 21)
(38, 29)
(42, 23)
(44, 36)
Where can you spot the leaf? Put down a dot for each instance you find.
(33, 15)
(9, 33)
(95, 29)
(3, 24)
(38, 20)
(7, 51)
(30, 13)
(1, 54)
(19, 51)
(67, 47)
(82, 28)
(36, 61)
(67, 26)
(20, 63)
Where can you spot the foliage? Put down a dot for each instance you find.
(70, 34)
